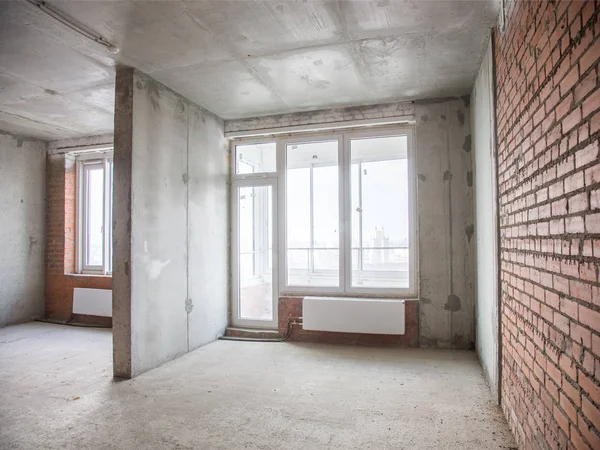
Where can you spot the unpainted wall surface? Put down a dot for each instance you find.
(208, 227)
(445, 207)
(548, 117)
(158, 225)
(22, 228)
(486, 220)
(171, 192)
(446, 241)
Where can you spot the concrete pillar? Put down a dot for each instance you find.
(122, 223)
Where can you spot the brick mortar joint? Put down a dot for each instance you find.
(590, 23)
(573, 42)
(579, 259)
(517, 380)
(565, 276)
(559, 352)
(557, 330)
(554, 163)
(542, 220)
(511, 298)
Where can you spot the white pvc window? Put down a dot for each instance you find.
(94, 194)
(346, 221)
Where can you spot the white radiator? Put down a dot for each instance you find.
(353, 315)
(92, 302)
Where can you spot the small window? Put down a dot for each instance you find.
(255, 158)
(95, 215)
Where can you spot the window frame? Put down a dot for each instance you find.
(413, 270)
(84, 162)
(251, 141)
(236, 185)
(344, 137)
(294, 290)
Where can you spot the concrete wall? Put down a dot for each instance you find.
(486, 221)
(22, 228)
(208, 227)
(171, 246)
(446, 241)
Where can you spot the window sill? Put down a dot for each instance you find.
(375, 296)
(88, 275)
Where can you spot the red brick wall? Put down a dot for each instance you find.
(61, 238)
(291, 308)
(548, 123)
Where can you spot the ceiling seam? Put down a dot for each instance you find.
(237, 56)
(359, 62)
(48, 124)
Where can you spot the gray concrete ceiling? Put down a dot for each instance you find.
(237, 59)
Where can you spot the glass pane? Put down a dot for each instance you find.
(255, 253)
(326, 259)
(255, 158)
(94, 215)
(312, 214)
(380, 212)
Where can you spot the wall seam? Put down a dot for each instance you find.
(448, 176)
(188, 303)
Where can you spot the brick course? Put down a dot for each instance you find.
(548, 125)
(61, 278)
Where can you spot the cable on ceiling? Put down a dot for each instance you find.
(71, 23)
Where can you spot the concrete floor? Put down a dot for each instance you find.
(238, 395)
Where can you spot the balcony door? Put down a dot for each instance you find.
(254, 253)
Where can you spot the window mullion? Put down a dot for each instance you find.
(264, 238)
(311, 251)
(105, 216)
(84, 217)
(111, 181)
(360, 218)
(87, 216)
(79, 217)
(345, 241)
(280, 239)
